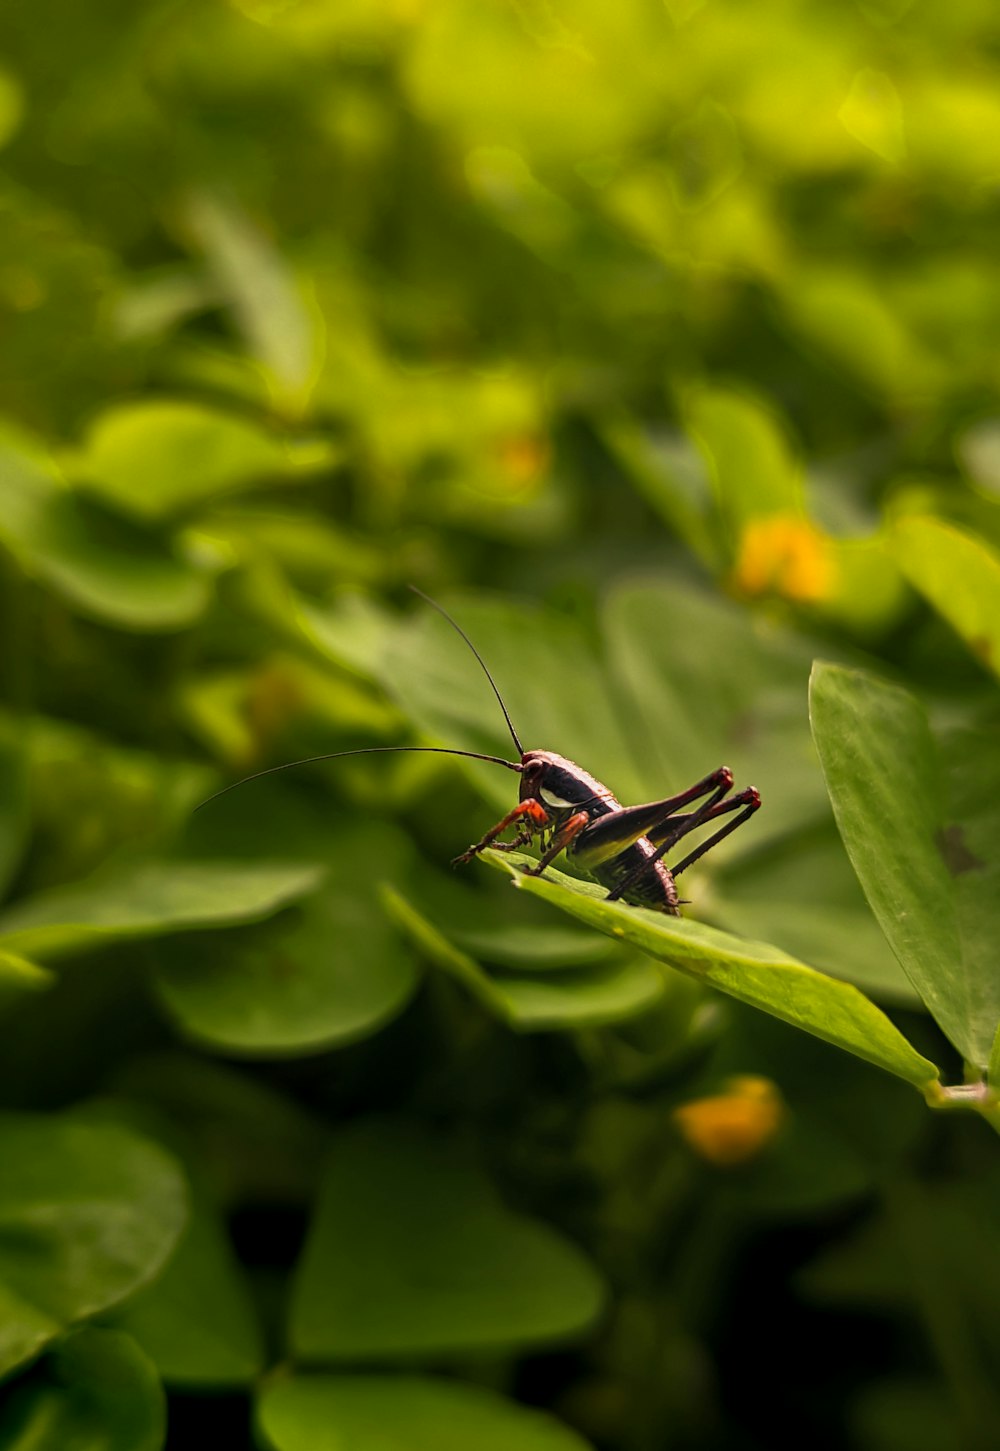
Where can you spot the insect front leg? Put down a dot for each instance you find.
(561, 839)
(529, 814)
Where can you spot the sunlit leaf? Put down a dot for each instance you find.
(457, 1272)
(749, 460)
(158, 458)
(754, 972)
(801, 893)
(11, 106)
(401, 1413)
(960, 577)
(261, 290)
(18, 976)
(142, 899)
(99, 562)
(872, 113)
(920, 823)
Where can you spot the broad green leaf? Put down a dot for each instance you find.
(401, 1413)
(410, 1252)
(327, 972)
(704, 684)
(546, 671)
(754, 972)
(530, 945)
(143, 899)
(920, 823)
(88, 1214)
(312, 550)
(873, 114)
(570, 999)
(159, 458)
(11, 105)
(261, 291)
(959, 576)
(482, 922)
(197, 1322)
(96, 1391)
(668, 472)
(801, 893)
(251, 1142)
(101, 564)
(844, 313)
(748, 457)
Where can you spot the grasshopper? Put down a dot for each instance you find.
(621, 847)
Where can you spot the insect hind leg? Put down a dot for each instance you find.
(749, 799)
(668, 833)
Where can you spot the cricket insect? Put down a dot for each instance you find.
(621, 847)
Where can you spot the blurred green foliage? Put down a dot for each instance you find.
(659, 339)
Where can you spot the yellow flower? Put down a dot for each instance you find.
(784, 555)
(734, 1126)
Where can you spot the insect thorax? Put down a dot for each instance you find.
(561, 785)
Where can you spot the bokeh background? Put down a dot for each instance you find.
(658, 338)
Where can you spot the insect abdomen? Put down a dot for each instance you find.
(655, 888)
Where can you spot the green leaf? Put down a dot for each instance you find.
(483, 923)
(669, 474)
(748, 457)
(11, 105)
(143, 899)
(261, 291)
(155, 459)
(14, 815)
(754, 972)
(328, 972)
(801, 893)
(959, 576)
(920, 821)
(401, 1413)
(704, 684)
(410, 1252)
(98, 562)
(19, 976)
(250, 1141)
(88, 1214)
(846, 314)
(197, 1322)
(96, 1391)
(569, 999)
(437, 681)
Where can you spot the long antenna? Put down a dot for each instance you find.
(456, 626)
(359, 751)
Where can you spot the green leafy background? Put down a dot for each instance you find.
(657, 340)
